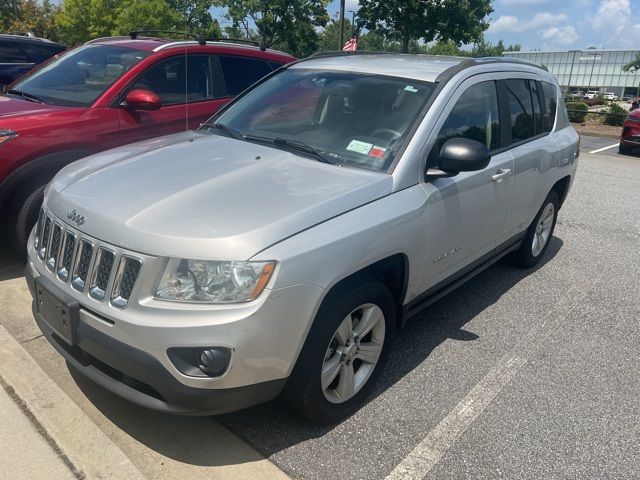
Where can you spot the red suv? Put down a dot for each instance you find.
(106, 93)
(630, 137)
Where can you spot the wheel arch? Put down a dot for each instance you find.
(392, 271)
(561, 187)
(40, 169)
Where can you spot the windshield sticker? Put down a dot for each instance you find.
(360, 147)
(377, 152)
(410, 88)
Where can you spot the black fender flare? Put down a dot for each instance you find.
(38, 169)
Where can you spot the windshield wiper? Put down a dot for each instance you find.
(223, 128)
(294, 144)
(27, 96)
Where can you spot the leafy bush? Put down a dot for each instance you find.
(591, 102)
(615, 115)
(577, 111)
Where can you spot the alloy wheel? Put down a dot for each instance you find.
(353, 353)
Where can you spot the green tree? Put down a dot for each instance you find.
(37, 17)
(633, 65)
(484, 48)
(9, 10)
(81, 20)
(462, 21)
(516, 47)
(195, 16)
(445, 48)
(286, 24)
(146, 15)
(329, 38)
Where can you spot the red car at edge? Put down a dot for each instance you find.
(107, 93)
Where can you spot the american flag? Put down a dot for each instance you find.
(351, 45)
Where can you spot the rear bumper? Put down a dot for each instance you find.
(140, 378)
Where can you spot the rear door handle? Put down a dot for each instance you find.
(500, 174)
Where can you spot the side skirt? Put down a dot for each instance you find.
(446, 286)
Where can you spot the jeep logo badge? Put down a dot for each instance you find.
(76, 218)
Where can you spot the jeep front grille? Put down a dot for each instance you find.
(85, 264)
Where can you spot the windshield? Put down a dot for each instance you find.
(81, 76)
(351, 118)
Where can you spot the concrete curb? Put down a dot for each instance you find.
(87, 450)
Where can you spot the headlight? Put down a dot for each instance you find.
(6, 135)
(206, 281)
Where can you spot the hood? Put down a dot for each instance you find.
(196, 195)
(16, 107)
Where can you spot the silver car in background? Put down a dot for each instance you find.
(277, 250)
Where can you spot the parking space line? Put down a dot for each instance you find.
(433, 447)
(604, 148)
(419, 462)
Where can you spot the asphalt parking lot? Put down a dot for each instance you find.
(517, 374)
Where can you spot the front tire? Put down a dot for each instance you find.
(535, 243)
(343, 354)
(24, 208)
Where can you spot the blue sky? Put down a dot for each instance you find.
(559, 24)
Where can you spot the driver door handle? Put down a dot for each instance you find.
(500, 174)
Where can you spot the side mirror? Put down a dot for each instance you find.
(461, 155)
(142, 100)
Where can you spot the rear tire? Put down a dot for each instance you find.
(535, 243)
(624, 149)
(23, 215)
(332, 378)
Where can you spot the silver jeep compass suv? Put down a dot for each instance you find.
(276, 250)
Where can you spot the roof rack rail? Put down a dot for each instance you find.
(198, 38)
(236, 40)
(102, 39)
(342, 53)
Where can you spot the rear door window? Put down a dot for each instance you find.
(12, 53)
(40, 53)
(520, 109)
(241, 72)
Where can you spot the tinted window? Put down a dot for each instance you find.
(474, 116)
(551, 102)
(537, 108)
(520, 109)
(174, 82)
(12, 53)
(240, 73)
(40, 53)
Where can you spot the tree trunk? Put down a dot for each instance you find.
(405, 43)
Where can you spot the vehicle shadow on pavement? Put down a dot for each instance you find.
(270, 428)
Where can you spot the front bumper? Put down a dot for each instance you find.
(139, 377)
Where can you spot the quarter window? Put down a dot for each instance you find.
(240, 73)
(475, 116)
(550, 99)
(179, 80)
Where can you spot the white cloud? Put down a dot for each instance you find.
(613, 17)
(560, 36)
(506, 23)
(523, 3)
(512, 24)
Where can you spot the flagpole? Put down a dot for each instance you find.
(341, 25)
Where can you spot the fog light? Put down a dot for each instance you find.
(200, 361)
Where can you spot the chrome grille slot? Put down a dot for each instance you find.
(81, 265)
(54, 247)
(39, 226)
(125, 279)
(45, 238)
(92, 267)
(101, 273)
(66, 256)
